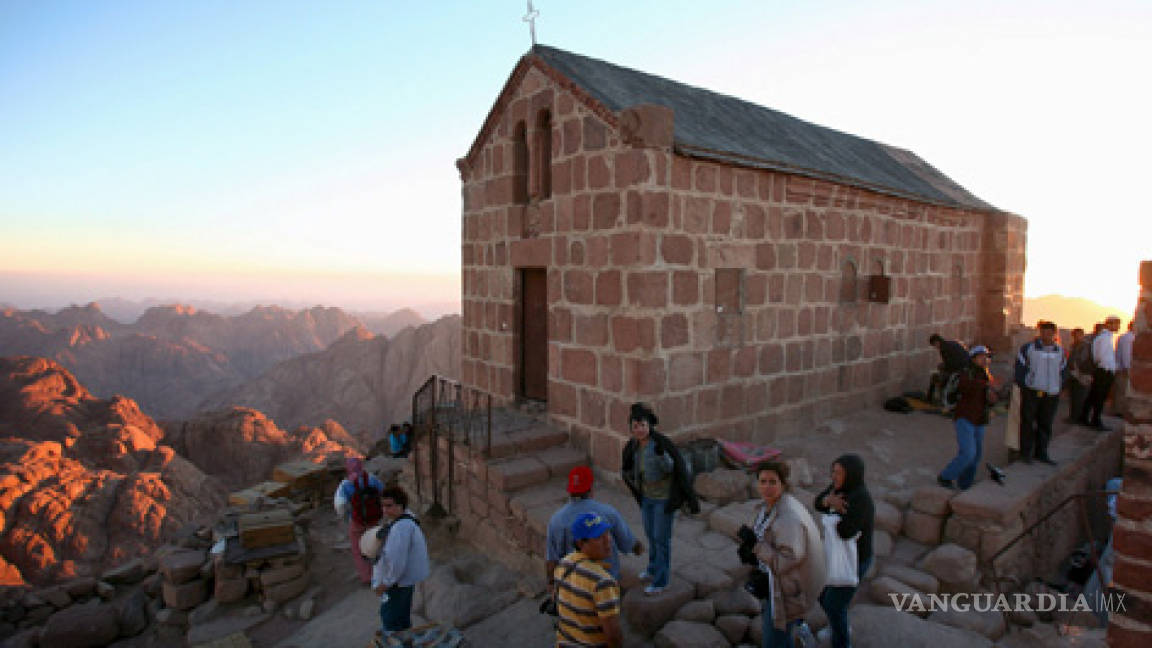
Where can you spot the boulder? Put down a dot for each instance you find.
(81, 626)
(698, 611)
(732, 626)
(881, 543)
(886, 590)
(687, 634)
(185, 596)
(132, 614)
(923, 527)
(448, 601)
(933, 500)
(911, 577)
(722, 486)
(988, 623)
(270, 577)
(81, 587)
(727, 520)
(907, 551)
(26, 638)
(647, 614)
(705, 578)
(951, 563)
(756, 629)
(735, 601)
(181, 566)
(881, 626)
(888, 518)
(105, 590)
(204, 612)
(56, 596)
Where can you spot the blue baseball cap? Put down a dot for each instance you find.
(588, 526)
(978, 349)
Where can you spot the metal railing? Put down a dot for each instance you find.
(442, 408)
(1086, 527)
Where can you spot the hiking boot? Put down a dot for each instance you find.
(654, 589)
(946, 483)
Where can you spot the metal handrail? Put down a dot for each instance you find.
(1087, 527)
(440, 406)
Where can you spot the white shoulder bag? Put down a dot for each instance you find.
(839, 554)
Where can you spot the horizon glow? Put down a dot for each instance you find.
(294, 151)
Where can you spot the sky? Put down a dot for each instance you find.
(305, 151)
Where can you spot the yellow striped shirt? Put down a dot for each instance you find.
(585, 596)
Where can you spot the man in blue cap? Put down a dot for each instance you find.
(587, 596)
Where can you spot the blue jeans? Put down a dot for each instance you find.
(970, 445)
(774, 638)
(396, 612)
(835, 601)
(658, 528)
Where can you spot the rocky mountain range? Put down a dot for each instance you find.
(173, 357)
(363, 381)
(87, 483)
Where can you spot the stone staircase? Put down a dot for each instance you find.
(504, 498)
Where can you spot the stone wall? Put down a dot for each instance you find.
(641, 243)
(1132, 536)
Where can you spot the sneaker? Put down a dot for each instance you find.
(644, 575)
(946, 483)
(653, 589)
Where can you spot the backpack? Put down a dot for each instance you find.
(898, 404)
(365, 502)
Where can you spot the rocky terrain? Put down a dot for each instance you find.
(87, 483)
(364, 381)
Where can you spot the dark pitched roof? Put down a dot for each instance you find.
(715, 126)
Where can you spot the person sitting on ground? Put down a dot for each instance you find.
(357, 500)
(587, 597)
(402, 562)
(559, 542)
(849, 497)
(953, 359)
(399, 441)
(976, 396)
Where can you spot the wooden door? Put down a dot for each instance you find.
(533, 334)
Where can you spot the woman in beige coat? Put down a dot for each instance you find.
(789, 549)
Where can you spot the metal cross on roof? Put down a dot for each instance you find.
(530, 18)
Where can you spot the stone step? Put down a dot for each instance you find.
(525, 440)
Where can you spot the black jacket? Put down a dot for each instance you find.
(861, 513)
(681, 488)
(954, 355)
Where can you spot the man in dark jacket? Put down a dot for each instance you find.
(849, 497)
(976, 396)
(953, 359)
(654, 471)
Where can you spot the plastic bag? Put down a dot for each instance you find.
(839, 554)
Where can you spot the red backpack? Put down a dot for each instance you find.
(365, 502)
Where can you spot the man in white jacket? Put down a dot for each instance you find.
(1040, 369)
(1104, 355)
(402, 563)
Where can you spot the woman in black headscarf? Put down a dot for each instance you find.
(847, 496)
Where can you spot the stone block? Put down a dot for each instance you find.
(989, 623)
(923, 528)
(932, 500)
(578, 366)
(185, 595)
(882, 589)
(733, 627)
(57, 596)
(881, 543)
(888, 518)
(705, 578)
(287, 590)
(700, 611)
(182, 565)
(270, 577)
(688, 634)
(736, 601)
(647, 126)
(511, 474)
(646, 614)
(914, 578)
(951, 563)
(230, 590)
(80, 587)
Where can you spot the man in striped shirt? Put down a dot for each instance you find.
(587, 596)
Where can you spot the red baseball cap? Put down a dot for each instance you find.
(580, 480)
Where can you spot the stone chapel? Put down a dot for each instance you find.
(626, 237)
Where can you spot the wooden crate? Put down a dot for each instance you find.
(266, 529)
(244, 498)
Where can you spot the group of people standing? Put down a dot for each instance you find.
(782, 543)
(1043, 369)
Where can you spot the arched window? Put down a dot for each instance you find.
(542, 154)
(520, 164)
(848, 282)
